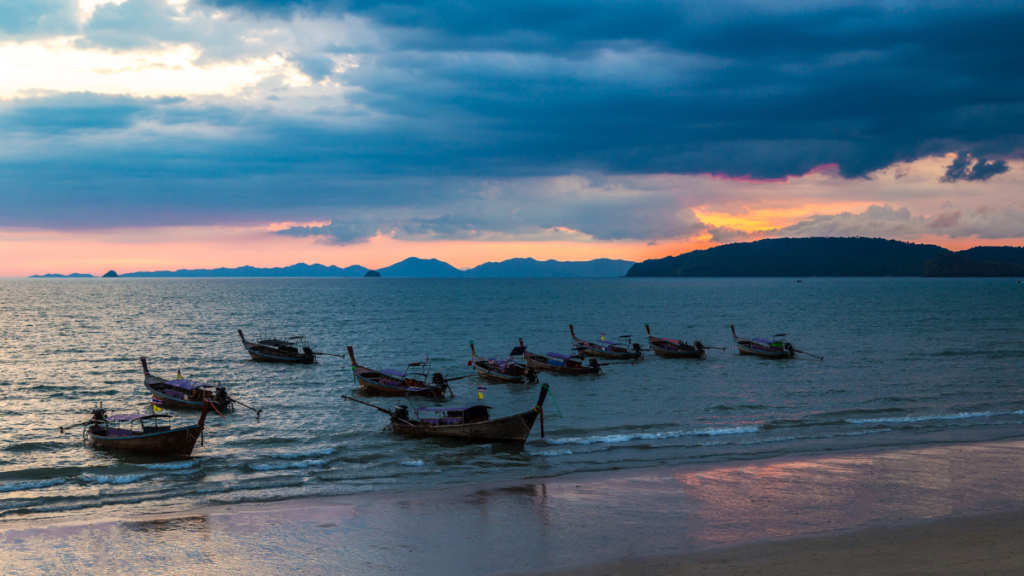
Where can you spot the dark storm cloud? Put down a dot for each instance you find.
(961, 168)
(738, 88)
(443, 96)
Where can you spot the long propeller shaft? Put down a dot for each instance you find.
(822, 358)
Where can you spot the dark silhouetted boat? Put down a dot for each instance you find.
(142, 433)
(675, 348)
(286, 351)
(773, 348)
(502, 370)
(468, 424)
(410, 382)
(560, 363)
(610, 350)
(186, 394)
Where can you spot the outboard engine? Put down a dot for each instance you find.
(437, 379)
(789, 348)
(698, 345)
(220, 396)
(402, 412)
(636, 347)
(531, 375)
(99, 414)
(307, 351)
(594, 364)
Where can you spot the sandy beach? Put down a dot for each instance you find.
(942, 509)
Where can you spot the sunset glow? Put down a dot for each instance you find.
(167, 134)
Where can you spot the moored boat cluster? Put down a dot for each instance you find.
(148, 433)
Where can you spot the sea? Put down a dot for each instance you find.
(907, 362)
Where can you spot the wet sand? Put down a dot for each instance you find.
(987, 545)
(944, 509)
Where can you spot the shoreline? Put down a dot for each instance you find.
(642, 520)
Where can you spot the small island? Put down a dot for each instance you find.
(371, 274)
(110, 274)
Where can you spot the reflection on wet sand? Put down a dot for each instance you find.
(544, 524)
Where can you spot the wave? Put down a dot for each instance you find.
(287, 465)
(413, 463)
(305, 454)
(926, 417)
(616, 438)
(170, 465)
(770, 440)
(113, 478)
(30, 484)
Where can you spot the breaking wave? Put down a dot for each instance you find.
(616, 438)
(113, 478)
(30, 484)
(926, 417)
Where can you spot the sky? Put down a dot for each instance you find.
(165, 134)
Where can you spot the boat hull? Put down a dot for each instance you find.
(497, 376)
(512, 429)
(541, 364)
(377, 388)
(177, 442)
(269, 356)
(669, 353)
(175, 403)
(591, 349)
(747, 350)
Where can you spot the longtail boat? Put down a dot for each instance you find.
(141, 433)
(610, 350)
(555, 362)
(773, 348)
(410, 382)
(675, 348)
(284, 351)
(186, 394)
(506, 370)
(468, 424)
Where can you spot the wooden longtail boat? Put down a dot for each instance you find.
(468, 424)
(555, 362)
(149, 437)
(675, 348)
(283, 351)
(502, 370)
(773, 348)
(610, 350)
(186, 394)
(411, 382)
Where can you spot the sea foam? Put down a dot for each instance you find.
(927, 417)
(113, 478)
(616, 438)
(30, 484)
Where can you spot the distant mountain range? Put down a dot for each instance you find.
(408, 268)
(293, 271)
(777, 257)
(835, 257)
(75, 275)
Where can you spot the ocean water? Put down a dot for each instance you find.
(907, 362)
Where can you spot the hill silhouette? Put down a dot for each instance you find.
(789, 257)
